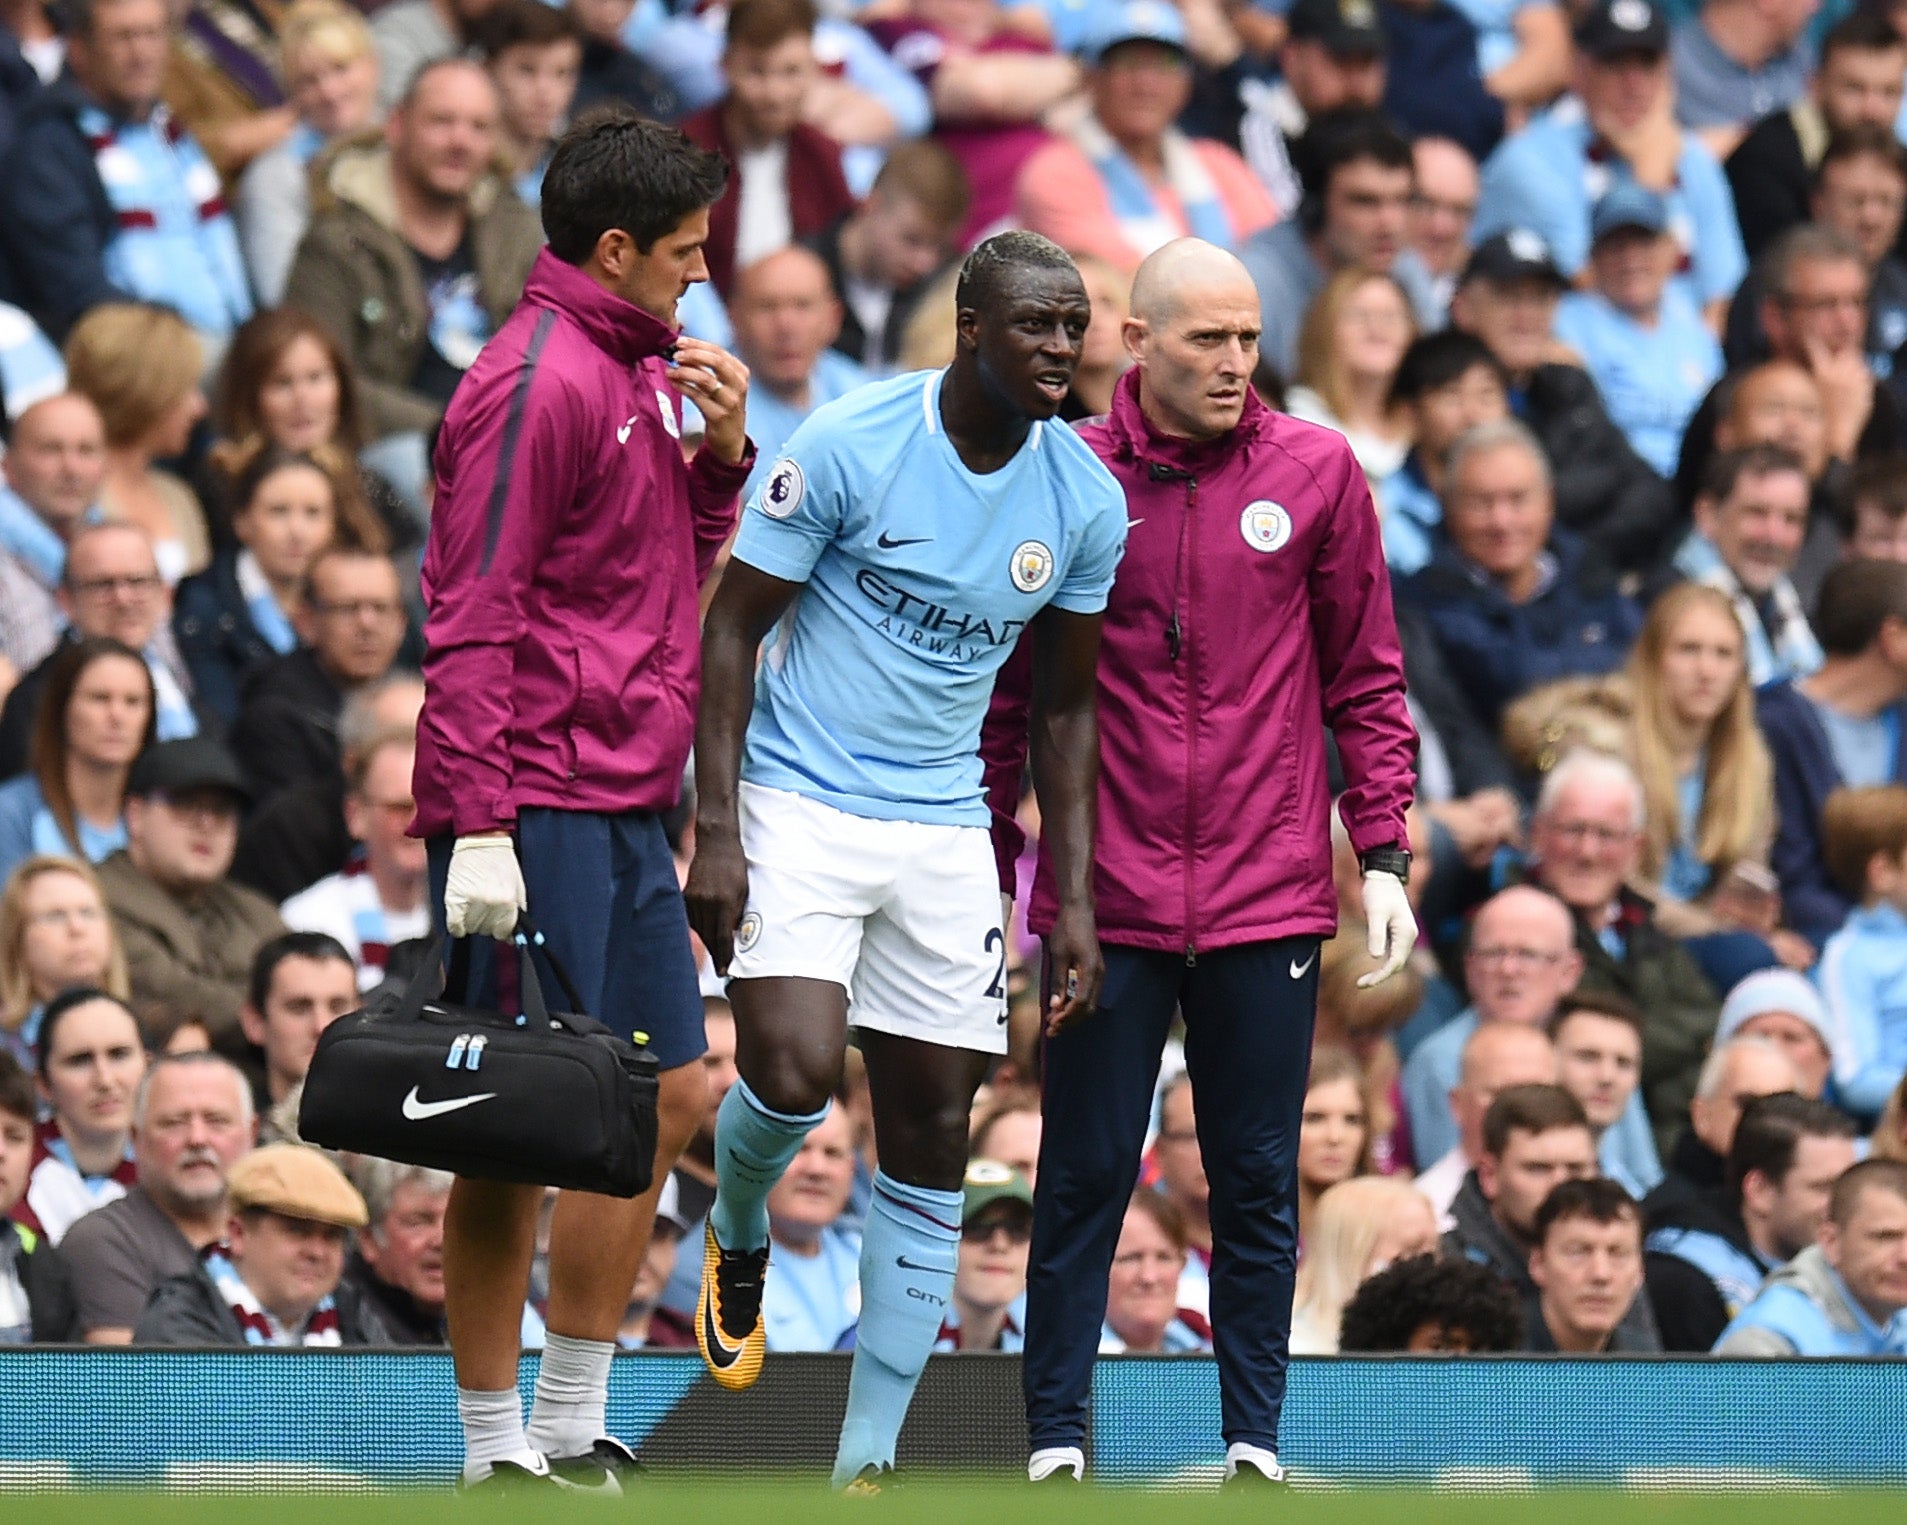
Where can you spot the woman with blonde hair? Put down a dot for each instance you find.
(1707, 779)
(55, 934)
(1334, 1130)
(140, 366)
(1349, 349)
(1360, 1227)
(328, 67)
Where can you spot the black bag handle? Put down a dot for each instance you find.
(433, 980)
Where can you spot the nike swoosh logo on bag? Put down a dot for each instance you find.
(1298, 970)
(418, 1110)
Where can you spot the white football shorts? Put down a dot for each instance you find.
(902, 915)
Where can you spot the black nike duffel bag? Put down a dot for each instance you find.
(543, 1098)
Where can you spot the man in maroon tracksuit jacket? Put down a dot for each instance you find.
(567, 544)
(1251, 611)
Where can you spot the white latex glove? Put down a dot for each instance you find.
(484, 890)
(1393, 926)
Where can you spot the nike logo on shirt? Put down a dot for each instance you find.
(418, 1110)
(888, 543)
(1298, 970)
(909, 1265)
(622, 434)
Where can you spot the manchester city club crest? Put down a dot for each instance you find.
(747, 931)
(781, 494)
(1032, 566)
(667, 404)
(1265, 525)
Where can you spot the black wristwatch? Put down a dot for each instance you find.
(1387, 860)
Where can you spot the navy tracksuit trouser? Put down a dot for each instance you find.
(1249, 1012)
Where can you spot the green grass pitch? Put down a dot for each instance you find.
(932, 1501)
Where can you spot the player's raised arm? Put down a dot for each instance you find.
(1065, 751)
(746, 607)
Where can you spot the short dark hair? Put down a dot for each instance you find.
(1853, 1183)
(925, 173)
(17, 1096)
(1862, 30)
(615, 169)
(1862, 140)
(1728, 467)
(1806, 243)
(1436, 360)
(765, 23)
(1880, 480)
(321, 946)
(1529, 1109)
(1345, 136)
(1770, 1132)
(1857, 599)
(1402, 1298)
(1596, 1198)
(988, 273)
(71, 1000)
(1611, 1005)
(520, 23)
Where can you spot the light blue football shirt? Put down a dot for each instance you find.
(920, 577)
(1652, 379)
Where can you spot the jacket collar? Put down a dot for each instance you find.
(619, 328)
(1135, 439)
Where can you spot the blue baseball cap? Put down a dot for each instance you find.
(1628, 206)
(1133, 21)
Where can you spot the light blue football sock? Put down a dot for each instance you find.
(908, 1253)
(753, 1145)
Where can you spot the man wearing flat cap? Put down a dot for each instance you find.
(189, 933)
(275, 1279)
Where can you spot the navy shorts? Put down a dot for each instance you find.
(603, 893)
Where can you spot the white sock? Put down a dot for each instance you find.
(1043, 1463)
(1257, 1456)
(572, 1391)
(493, 1432)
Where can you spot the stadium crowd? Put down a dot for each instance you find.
(1610, 300)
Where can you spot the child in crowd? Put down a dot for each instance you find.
(36, 1292)
(534, 54)
(245, 608)
(1863, 968)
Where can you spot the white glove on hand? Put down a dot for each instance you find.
(1392, 925)
(485, 890)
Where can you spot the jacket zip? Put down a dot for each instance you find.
(1182, 585)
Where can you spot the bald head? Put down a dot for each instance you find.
(1193, 335)
(1521, 959)
(1497, 1056)
(792, 267)
(1177, 276)
(785, 314)
(1523, 907)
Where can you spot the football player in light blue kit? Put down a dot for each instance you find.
(905, 540)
